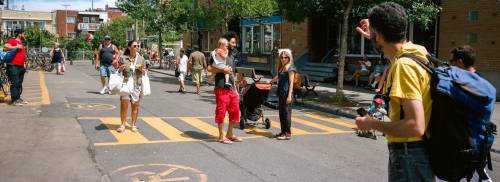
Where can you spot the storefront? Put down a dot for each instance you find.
(259, 38)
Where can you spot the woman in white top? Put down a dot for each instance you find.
(181, 62)
(364, 70)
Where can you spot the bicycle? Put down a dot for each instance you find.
(40, 61)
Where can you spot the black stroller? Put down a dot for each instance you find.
(253, 96)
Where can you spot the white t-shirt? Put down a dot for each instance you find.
(183, 63)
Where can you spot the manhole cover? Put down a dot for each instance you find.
(157, 173)
(92, 106)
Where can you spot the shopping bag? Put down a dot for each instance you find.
(146, 88)
(63, 68)
(115, 82)
(127, 87)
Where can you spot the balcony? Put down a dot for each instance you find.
(89, 26)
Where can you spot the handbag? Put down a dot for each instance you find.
(115, 82)
(177, 72)
(127, 87)
(146, 88)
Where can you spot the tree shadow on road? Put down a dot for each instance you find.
(197, 135)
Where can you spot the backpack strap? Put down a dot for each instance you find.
(425, 64)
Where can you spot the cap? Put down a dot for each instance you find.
(107, 37)
(379, 101)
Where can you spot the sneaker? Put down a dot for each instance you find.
(103, 91)
(17, 103)
(22, 101)
(281, 137)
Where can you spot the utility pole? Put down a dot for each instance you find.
(92, 9)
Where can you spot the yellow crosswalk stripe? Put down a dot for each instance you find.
(295, 131)
(127, 136)
(316, 125)
(201, 125)
(331, 120)
(166, 129)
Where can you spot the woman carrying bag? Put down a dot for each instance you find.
(132, 67)
(57, 59)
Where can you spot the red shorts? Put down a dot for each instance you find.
(226, 100)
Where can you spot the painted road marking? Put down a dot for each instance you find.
(201, 125)
(173, 134)
(331, 120)
(316, 125)
(44, 89)
(127, 136)
(166, 129)
(158, 173)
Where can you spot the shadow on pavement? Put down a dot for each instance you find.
(197, 135)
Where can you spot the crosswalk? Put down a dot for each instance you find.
(190, 129)
(35, 90)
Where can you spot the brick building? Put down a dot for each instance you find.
(84, 21)
(474, 23)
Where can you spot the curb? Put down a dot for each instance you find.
(161, 72)
(348, 113)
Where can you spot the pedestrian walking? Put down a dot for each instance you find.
(57, 55)
(132, 66)
(226, 99)
(408, 87)
(181, 62)
(106, 57)
(197, 63)
(286, 71)
(16, 68)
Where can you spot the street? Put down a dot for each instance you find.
(69, 135)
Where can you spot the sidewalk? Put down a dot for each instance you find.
(360, 97)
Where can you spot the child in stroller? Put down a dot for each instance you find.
(377, 110)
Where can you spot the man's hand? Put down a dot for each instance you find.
(364, 123)
(227, 70)
(289, 100)
(19, 46)
(96, 66)
(364, 28)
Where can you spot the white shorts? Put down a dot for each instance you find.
(134, 97)
(182, 76)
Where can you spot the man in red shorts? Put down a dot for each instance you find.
(226, 98)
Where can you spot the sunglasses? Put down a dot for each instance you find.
(285, 58)
(135, 46)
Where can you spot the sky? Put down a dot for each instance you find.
(50, 5)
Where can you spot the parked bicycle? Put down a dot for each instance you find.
(39, 61)
(4, 79)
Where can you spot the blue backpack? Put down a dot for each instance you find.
(6, 57)
(460, 133)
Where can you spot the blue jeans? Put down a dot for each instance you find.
(409, 164)
(16, 78)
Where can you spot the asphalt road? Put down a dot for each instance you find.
(175, 140)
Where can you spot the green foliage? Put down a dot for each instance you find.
(76, 44)
(220, 12)
(115, 29)
(36, 37)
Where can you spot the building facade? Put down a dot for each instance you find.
(15, 19)
(474, 23)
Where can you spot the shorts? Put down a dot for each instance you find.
(364, 72)
(182, 76)
(106, 71)
(196, 74)
(134, 97)
(226, 100)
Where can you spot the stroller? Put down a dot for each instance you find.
(251, 100)
(378, 110)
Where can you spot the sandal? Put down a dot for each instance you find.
(235, 139)
(134, 129)
(121, 128)
(225, 141)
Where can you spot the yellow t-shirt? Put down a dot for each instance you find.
(408, 80)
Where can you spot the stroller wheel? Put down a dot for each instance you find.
(267, 123)
(242, 123)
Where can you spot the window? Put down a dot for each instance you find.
(86, 20)
(70, 19)
(93, 19)
(473, 16)
(472, 37)
(72, 35)
(268, 38)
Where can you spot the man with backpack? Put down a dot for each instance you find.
(408, 88)
(16, 67)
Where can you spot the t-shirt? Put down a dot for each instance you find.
(198, 60)
(283, 80)
(183, 63)
(408, 80)
(20, 56)
(219, 77)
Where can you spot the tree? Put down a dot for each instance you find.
(227, 10)
(421, 12)
(115, 29)
(36, 37)
(160, 16)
